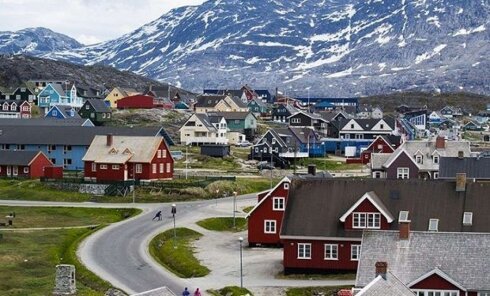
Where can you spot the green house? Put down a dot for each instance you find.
(96, 110)
(242, 122)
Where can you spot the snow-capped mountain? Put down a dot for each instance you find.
(331, 47)
(35, 41)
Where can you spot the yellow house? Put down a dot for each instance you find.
(118, 93)
(219, 103)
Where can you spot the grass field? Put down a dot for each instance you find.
(178, 255)
(230, 291)
(28, 258)
(35, 190)
(223, 224)
(309, 291)
(329, 165)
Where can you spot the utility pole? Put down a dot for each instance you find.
(186, 161)
(272, 166)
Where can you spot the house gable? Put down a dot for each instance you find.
(435, 279)
(352, 125)
(398, 154)
(374, 200)
(374, 146)
(269, 194)
(381, 125)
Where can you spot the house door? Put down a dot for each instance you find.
(15, 170)
(9, 170)
(125, 173)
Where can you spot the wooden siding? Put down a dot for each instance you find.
(365, 207)
(403, 161)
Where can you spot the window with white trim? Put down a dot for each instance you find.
(154, 168)
(278, 203)
(94, 167)
(436, 175)
(487, 293)
(164, 153)
(331, 252)
(468, 219)
(168, 167)
(366, 220)
(269, 226)
(355, 252)
(295, 120)
(433, 224)
(402, 173)
(139, 168)
(419, 159)
(115, 167)
(435, 159)
(159, 153)
(103, 166)
(286, 186)
(26, 170)
(162, 168)
(436, 292)
(304, 251)
(377, 175)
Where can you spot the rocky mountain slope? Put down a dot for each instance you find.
(35, 41)
(331, 47)
(17, 69)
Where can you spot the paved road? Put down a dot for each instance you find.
(119, 252)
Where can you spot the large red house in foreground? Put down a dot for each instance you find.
(120, 158)
(265, 219)
(324, 219)
(24, 164)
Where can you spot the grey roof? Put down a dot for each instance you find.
(428, 148)
(59, 89)
(378, 160)
(239, 102)
(204, 118)
(66, 135)
(232, 115)
(461, 256)
(325, 201)
(42, 122)
(390, 285)
(64, 109)
(368, 124)
(209, 101)
(302, 134)
(330, 115)
(99, 105)
(11, 157)
(474, 167)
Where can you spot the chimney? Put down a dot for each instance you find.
(440, 142)
(460, 154)
(109, 140)
(381, 269)
(312, 169)
(404, 230)
(460, 182)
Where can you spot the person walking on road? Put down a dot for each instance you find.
(186, 292)
(158, 216)
(197, 292)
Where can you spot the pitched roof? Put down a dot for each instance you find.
(99, 105)
(43, 122)
(208, 101)
(204, 118)
(238, 102)
(368, 124)
(474, 167)
(123, 149)
(66, 135)
(232, 115)
(378, 160)
(390, 285)
(11, 157)
(325, 201)
(302, 134)
(462, 257)
(65, 111)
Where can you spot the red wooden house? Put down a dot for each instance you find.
(120, 158)
(324, 219)
(382, 144)
(15, 109)
(24, 164)
(264, 220)
(139, 102)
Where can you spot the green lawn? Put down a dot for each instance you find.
(28, 259)
(248, 209)
(230, 291)
(328, 164)
(177, 255)
(27, 217)
(309, 291)
(223, 224)
(335, 276)
(35, 190)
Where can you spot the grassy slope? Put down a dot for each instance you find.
(35, 190)
(308, 291)
(223, 224)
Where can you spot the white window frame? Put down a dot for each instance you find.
(94, 167)
(419, 159)
(435, 175)
(304, 251)
(361, 220)
(278, 203)
(435, 159)
(169, 168)
(355, 252)
(403, 173)
(331, 252)
(270, 226)
(432, 223)
(286, 186)
(468, 219)
(115, 167)
(26, 170)
(54, 113)
(103, 166)
(139, 168)
(153, 168)
(425, 292)
(162, 168)
(164, 153)
(159, 153)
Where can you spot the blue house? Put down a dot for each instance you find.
(62, 112)
(64, 145)
(57, 94)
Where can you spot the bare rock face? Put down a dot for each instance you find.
(65, 283)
